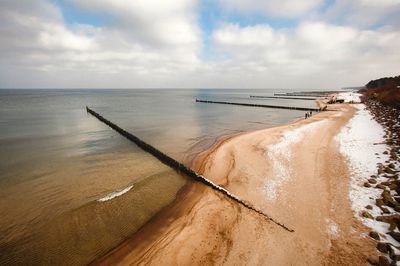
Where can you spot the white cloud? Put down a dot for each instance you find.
(54, 36)
(364, 13)
(278, 8)
(380, 3)
(154, 21)
(148, 42)
(233, 35)
(159, 44)
(327, 53)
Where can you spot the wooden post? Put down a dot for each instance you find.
(261, 105)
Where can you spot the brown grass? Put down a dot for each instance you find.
(385, 90)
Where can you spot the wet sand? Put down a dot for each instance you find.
(299, 179)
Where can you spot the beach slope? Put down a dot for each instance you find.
(294, 173)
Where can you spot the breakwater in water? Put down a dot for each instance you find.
(307, 93)
(182, 168)
(262, 105)
(283, 97)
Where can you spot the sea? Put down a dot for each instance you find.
(72, 189)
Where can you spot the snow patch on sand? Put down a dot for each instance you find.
(359, 142)
(348, 97)
(333, 228)
(280, 156)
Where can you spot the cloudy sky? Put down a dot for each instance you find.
(197, 43)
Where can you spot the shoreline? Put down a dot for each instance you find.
(190, 191)
(186, 197)
(148, 244)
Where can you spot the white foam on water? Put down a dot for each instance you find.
(115, 194)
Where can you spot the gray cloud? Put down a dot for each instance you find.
(276, 8)
(364, 13)
(315, 51)
(158, 44)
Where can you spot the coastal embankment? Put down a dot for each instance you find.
(371, 144)
(295, 172)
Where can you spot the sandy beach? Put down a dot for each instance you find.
(199, 132)
(294, 173)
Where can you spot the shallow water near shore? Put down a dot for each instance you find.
(71, 188)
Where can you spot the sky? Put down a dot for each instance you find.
(326, 44)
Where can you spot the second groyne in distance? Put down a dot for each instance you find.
(262, 105)
(182, 168)
(284, 97)
(302, 94)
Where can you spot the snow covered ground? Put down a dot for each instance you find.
(361, 141)
(281, 155)
(348, 97)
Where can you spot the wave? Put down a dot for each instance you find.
(115, 194)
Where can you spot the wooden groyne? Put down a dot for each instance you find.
(302, 94)
(263, 105)
(284, 97)
(167, 160)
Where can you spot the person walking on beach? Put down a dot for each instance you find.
(305, 116)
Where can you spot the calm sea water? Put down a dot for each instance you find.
(71, 188)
